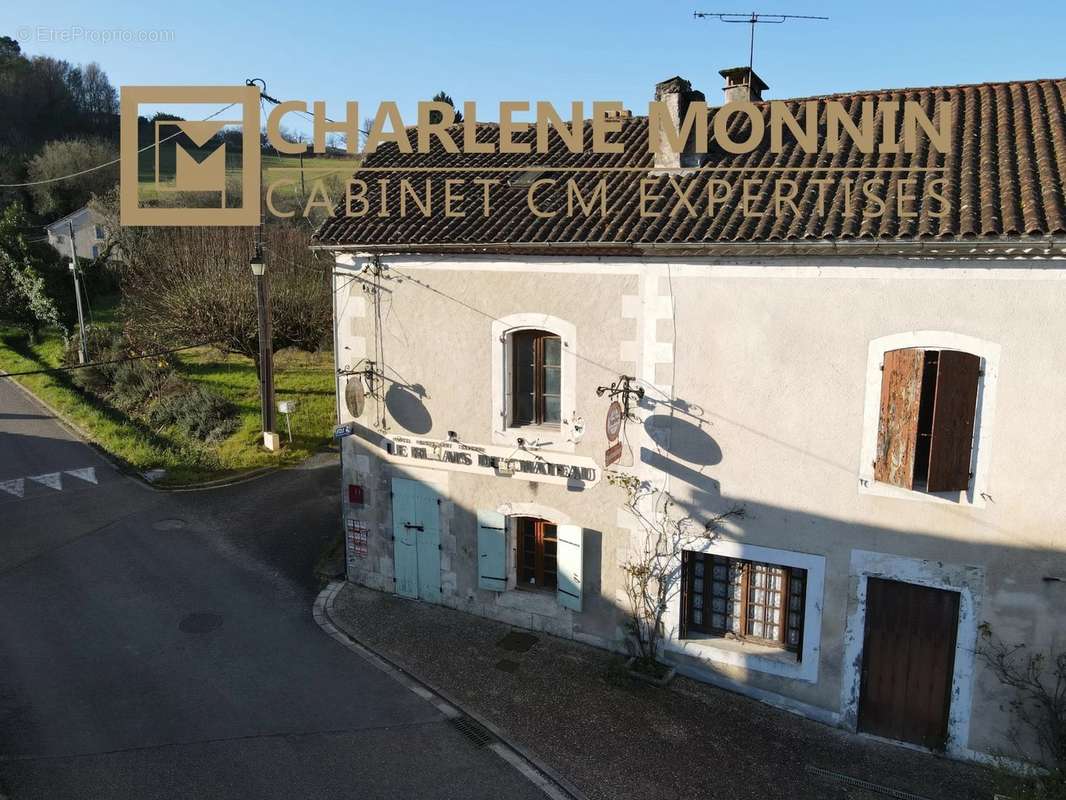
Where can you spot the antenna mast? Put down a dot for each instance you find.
(753, 19)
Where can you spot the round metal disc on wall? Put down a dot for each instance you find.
(355, 396)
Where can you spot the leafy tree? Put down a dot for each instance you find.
(28, 277)
(68, 158)
(9, 50)
(444, 97)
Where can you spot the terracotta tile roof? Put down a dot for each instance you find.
(1005, 178)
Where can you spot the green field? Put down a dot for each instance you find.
(305, 378)
(275, 168)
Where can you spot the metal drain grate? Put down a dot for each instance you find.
(858, 783)
(474, 731)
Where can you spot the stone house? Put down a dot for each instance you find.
(876, 390)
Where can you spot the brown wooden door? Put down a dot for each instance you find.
(907, 662)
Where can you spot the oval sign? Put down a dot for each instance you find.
(614, 420)
(354, 397)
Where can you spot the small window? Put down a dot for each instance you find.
(96, 251)
(746, 600)
(926, 425)
(99, 231)
(537, 552)
(536, 367)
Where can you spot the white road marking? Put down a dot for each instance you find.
(53, 479)
(16, 487)
(85, 473)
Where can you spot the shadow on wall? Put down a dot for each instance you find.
(405, 406)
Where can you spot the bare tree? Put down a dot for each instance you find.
(652, 573)
(1038, 681)
(99, 96)
(57, 159)
(191, 285)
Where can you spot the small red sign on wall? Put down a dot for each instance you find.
(613, 454)
(355, 494)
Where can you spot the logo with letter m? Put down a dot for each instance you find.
(190, 172)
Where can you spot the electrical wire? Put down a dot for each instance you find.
(49, 370)
(109, 163)
(487, 315)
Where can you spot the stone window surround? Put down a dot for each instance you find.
(734, 653)
(560, 439)
(989, 353)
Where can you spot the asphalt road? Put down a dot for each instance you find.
(161, 645)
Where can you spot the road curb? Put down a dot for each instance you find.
(533, 768)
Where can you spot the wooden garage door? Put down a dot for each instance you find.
(907, 662)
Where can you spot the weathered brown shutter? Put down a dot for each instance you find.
(897, 429)
(953, 420)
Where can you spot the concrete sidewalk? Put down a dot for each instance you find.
(614, 738)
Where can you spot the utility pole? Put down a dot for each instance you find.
(271, 440)
(83, 350)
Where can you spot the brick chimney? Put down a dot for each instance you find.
(742, 85)
(677, 94)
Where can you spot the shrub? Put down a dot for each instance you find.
(103, 345)
(136, 383)
(196, 410)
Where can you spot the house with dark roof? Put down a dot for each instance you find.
(856, 344)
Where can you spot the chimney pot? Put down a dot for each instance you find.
(742, 85)
(677, 94)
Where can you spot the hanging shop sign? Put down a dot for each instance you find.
(491, 460)
(614, 421)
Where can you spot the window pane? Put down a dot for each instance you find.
(551, 351)
(523, 409)
(523, 368)
(551, 380)
(551, 409)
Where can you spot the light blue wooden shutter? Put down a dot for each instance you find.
(491, 551)
(427, 514)
(405, 548)
(568, 586)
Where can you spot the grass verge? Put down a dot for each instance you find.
(304, 378)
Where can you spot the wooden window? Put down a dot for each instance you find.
(536, 366)
(744, 600)
(926, 426)
(537, 548)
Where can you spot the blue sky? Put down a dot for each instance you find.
(558, 51)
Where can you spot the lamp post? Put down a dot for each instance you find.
(271, 440)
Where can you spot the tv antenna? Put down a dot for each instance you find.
(754, 18)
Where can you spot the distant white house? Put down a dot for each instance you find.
(89, 233)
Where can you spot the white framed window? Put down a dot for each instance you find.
(534, 360)
(533, 552)
(927, 417)
(797, 657)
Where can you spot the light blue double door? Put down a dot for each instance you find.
(416, 538)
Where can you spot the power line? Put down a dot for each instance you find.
(49, 370)
(109, 163)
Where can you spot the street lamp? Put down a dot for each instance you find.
(271, 440)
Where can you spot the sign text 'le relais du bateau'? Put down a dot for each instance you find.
(507, 462)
